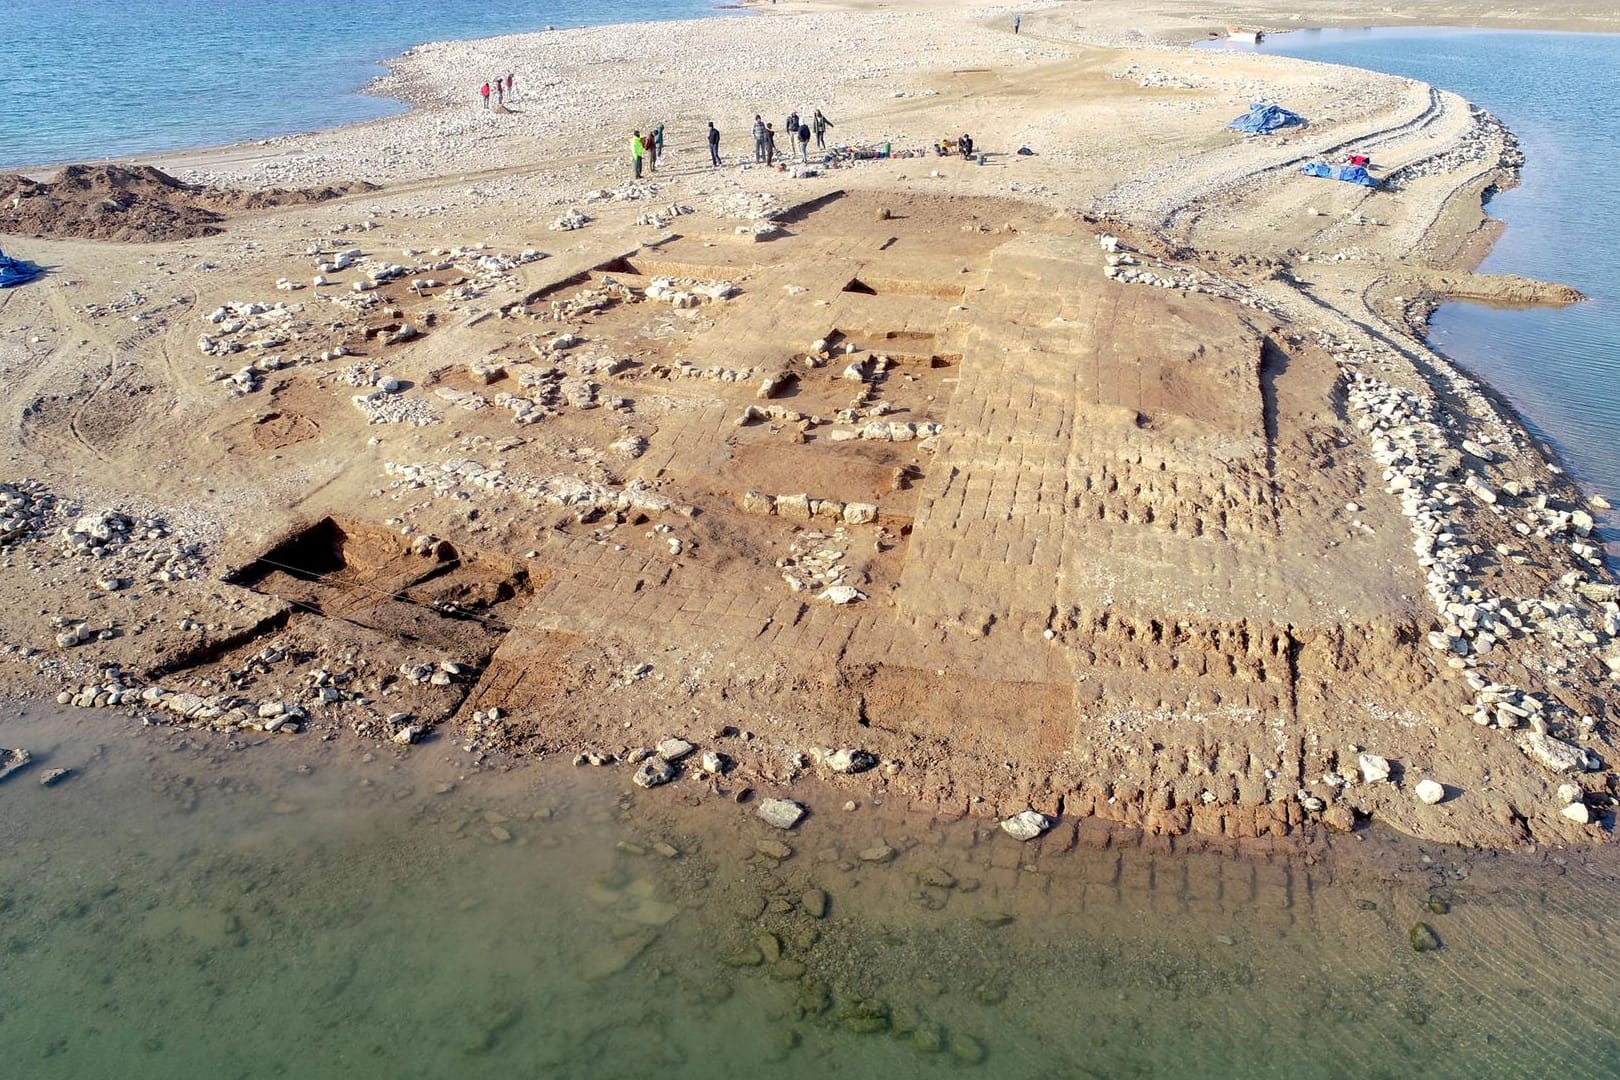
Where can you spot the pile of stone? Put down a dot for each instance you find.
(804, 508)
(457, 475)
(384, 407)
(685, 369)
(1487, 137)
(237, 322)
(248, 379)
(688, 292)
(1417, 459)
(441, 673)
(568, 222)
(815, 561)
(27, 508)
(589, 301)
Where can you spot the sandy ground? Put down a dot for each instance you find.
(1111, 480)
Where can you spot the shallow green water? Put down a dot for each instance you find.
(182, 909)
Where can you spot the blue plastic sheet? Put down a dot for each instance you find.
(17, 271)
(1352, 174)
(1262, 119)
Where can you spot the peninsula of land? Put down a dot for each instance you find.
(1101, 473)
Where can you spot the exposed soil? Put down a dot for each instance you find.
(136, 204)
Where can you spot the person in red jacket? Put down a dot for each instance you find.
(484, 90)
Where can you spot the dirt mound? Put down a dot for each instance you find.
(136, 204)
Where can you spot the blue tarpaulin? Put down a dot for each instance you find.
(17, 272)
(1353, 174)
(1262, 118)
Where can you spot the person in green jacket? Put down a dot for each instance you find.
(638, 150)
(819, 124)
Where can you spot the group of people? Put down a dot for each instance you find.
(651, 146)
(503, 88)
(645, 150)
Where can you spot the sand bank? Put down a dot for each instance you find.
(1183, 529)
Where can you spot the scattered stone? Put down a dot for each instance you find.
(851, 761)
(675, 749)
(781, 813)
(1558, 755)
(814, 903)
(51, 777)
(1578, 812)
(652, 772)
(1027, 825)
(881, 853)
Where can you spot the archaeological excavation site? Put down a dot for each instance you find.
(1028, 516)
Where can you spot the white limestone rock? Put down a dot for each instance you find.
(673, 749)
(1556, 754)
(1373, 768)
(1027, 825)
(781, 813)
(1430, 792)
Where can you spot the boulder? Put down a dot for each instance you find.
(781, 813)
(1578, 812)
(1027, 825)
(1373, 768)
(1430, 792)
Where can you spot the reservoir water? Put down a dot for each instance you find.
(188, 906)
(90, 79)
(1558, 367)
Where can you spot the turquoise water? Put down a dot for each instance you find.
(88, 79)
(1560, 368)
(188, 907)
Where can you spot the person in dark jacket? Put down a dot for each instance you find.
(759, 138)
(770, 144)
(714, 144)
(804, 143)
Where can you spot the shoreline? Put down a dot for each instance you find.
(507, 202)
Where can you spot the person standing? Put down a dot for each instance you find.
(714, 144)
(657, 143)
(792, 128)
(759, 138)
(770, 144)
(638, 150)
(820, 124)
(484, 90)
(511, 95)
(1018, 20)
(804, 143)
(500, 90)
